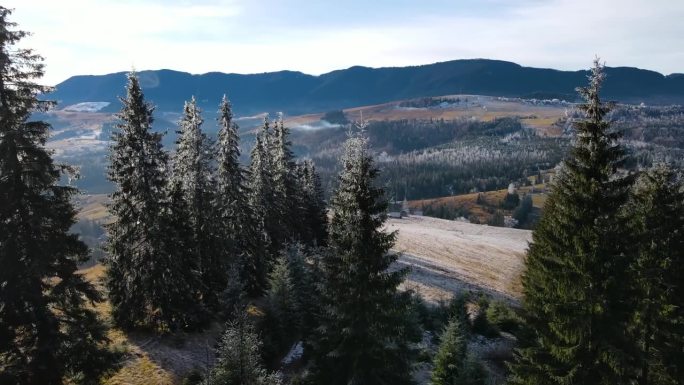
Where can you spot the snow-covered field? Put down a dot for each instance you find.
(446, 257)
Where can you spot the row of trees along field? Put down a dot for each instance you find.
(198, 239)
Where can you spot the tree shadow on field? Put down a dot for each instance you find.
(435, 283)
(155, 358)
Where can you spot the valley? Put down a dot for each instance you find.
(227, 192)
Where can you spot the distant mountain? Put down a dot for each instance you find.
(298, 93)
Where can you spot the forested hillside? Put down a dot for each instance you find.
(279, 265)
(299, 93)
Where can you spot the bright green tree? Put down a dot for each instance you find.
(450, 358)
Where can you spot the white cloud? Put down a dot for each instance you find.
(100, 36)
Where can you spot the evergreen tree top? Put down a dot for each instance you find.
(265, 130)
(192, 114)
(19, 68)
(225, 112)
(192, 164)
(136, 114)
(593, 106)
(229, 176)
(596, 149)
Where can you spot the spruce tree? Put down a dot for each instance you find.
(48, 330)
(282, 313)
(303, 281)
(179, 245)
(281, 295)
(148, 284)
(312, 206)
(451, 356)
(286, 214)
(192, 172)
(575, 279)
(238, 358)
(656, 212)
(364, 334)
(260, 201)
(240, 241)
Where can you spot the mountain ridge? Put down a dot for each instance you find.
(295, 92)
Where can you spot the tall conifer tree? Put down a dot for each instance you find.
(192, 172)
(260, 201)
(47, 330)
(148, 281)
(364, 334)
(239, 244)
(313, 206)
(656, 212)
(285, 201)
(575, 282)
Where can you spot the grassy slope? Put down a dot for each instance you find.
(153, 359)
(447, 257)
(485, 108)
(481, 212)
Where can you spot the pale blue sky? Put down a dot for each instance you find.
(102, 36)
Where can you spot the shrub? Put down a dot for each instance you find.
(502, 317)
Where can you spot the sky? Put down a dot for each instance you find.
(79, 37)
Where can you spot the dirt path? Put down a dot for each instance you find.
(448, 256)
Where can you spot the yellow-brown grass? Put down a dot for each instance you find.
(447, 257)
(541, 118)
(93, 207)
(479, 211)
(150, 358)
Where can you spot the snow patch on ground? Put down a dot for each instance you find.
(86, 107)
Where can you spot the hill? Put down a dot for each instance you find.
(447, 257)
(299, 93)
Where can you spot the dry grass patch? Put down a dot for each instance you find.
(448, 256)
(150, 358)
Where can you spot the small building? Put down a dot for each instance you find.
(405, 209)
(511, 188)
(396, 209)
(509, 221)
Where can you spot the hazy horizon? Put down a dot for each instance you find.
(233, 36)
